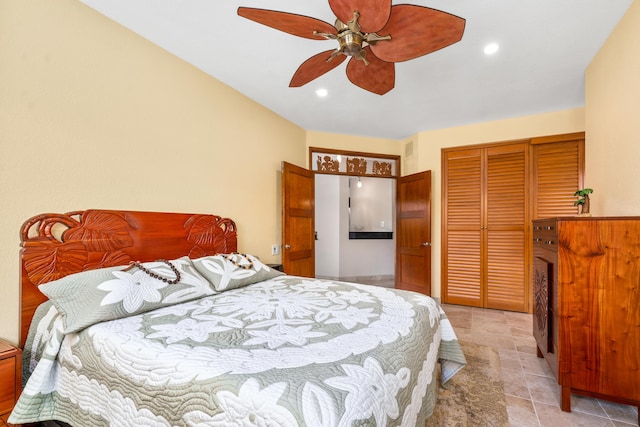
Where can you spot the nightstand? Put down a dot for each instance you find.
(276, 266)
(10, 379)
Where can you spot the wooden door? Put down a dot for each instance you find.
(298, 253)
(485, 227)
(506, 227)
(462, 222)
(413, 233)
(558, 172)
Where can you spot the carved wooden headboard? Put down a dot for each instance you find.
(56, 245)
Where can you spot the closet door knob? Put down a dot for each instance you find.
(287, 246)
(426, 243)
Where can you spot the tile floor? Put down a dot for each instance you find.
(531, 391)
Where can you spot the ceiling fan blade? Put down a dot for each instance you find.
(298, 25)
(377, 77)
(314, 67)
(417, 31)
(373, 13)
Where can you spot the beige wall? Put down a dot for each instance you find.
(94, 116)
(427, 149)
(612, 112)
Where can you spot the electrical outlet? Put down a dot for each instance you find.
(275, 249)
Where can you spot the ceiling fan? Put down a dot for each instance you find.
(373, 33)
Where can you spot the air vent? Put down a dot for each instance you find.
(408, 149)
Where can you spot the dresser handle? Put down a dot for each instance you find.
(548, 227)
(536, 228)
(537, 239)
(548, 242)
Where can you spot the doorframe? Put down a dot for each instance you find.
(328, 167)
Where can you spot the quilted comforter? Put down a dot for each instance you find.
(289, 351)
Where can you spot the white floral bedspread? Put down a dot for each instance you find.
(284, 352)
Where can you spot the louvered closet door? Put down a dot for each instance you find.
(490, 195)
(559, 170)
(485, 219)
(462, 222)
(506, 227)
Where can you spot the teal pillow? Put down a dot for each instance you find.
(94, 296)
(230, 271)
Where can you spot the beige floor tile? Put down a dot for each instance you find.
(456, 308)
(587, 405)
(621, 424)
(532, 364)
(543, 389)
(620, 412)
(521, 412)
(510, 359)
(525, 346)
(515, 384)
(552, 416)
(490, 326)
(520, 320)
(517, 331)
(495, 315)
(459, 320)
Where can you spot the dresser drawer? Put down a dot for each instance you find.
(545, 234)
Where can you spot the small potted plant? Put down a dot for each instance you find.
(583, 200)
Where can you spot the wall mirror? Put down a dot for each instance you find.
(371, 202)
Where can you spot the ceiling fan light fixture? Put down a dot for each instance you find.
(350, 39)
(350, 43)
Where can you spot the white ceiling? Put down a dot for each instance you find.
(545, 48)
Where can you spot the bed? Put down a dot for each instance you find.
(146, 318)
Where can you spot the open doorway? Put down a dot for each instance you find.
(412, 233)
(354, 223)
(355, 215)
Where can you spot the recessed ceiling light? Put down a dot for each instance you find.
(322, 93)
(491, 48)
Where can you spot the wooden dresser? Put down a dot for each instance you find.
(586, 285)
(10, 379)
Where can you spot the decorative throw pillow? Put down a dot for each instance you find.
(94, 296)
(230, 271)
